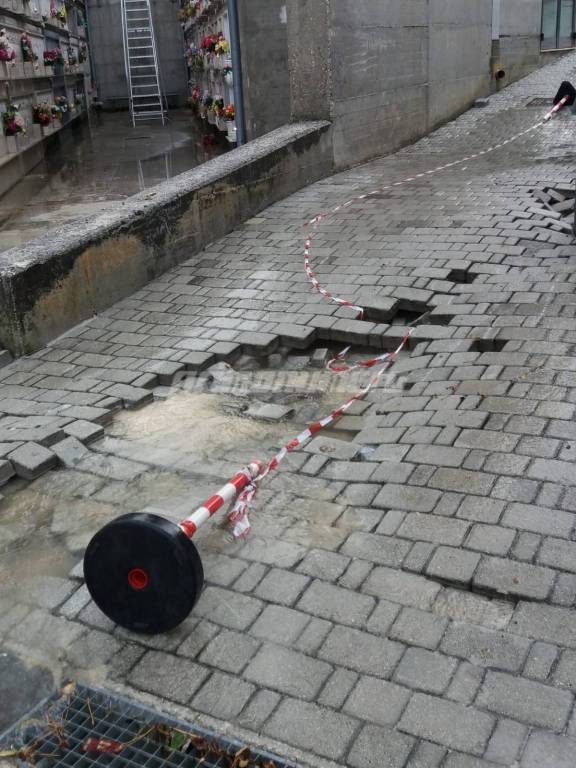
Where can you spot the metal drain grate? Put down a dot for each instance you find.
(87, 727)
(540, 101)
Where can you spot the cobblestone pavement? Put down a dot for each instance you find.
(411, 609)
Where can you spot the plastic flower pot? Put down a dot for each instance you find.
(231, 128)
(222, 124)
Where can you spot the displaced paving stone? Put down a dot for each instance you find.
(447, 723)
(403, 588)
(32, 460)
(453, 566)
(269, 412)
(85, 431)
(510, 578)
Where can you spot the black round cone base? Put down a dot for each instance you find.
(144, 573)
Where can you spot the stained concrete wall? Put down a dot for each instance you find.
(48, 287)
(386, 72)
(108, 55)
(401, 67)
(263, 38)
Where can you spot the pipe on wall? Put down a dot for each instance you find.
(237, 70)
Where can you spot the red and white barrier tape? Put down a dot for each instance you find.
(247, 482)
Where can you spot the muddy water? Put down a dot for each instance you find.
(200, 435)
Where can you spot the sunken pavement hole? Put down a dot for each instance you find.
(558, 199)
(81, 727)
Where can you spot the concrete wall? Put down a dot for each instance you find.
(108, 55)
(264, 43)
(401, 67)
(48, 287)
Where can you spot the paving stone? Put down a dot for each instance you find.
(337, 689)
(431, 528)
(548, 750)
(321, 564)
(336, 604)
(492, 539)
(377, 701)
(32, 460)
(6, 471)
(223, 696)
(380, 748)
(313, 728)
(539, 520)
(279, 625)
(361, 651)
(385, 550)
(427, 755)
(383, 617)
(486, 648)
(286, 671)
(540, 661)
(453, 566)
(465, 683)
(281, 586)
(339, 450)
(447, 723)
(425, 670)
(404, 588)
(416, 627)
(558, 553)
(229, 651)
(200, 636)
(409, 498)
(418, 557)
(313, 636)
(481, 510)
(259, 709)
(525, 700)
(170, 677)
(232, 610)
(510, 578)
(355, 574)
(85, 431)
(269, 412)
(506, 742)
(463, 481)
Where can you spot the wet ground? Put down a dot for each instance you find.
(102, 160)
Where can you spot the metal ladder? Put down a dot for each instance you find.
(141, 62)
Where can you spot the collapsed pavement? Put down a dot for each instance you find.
(408, 605)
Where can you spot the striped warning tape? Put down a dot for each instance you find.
(246, 483)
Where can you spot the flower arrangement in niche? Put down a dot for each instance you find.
(27, 49)
(56, 112)
(53, 56)
(13, 121)
(71, 55)
(222, 46)
(82, 53)
(230, 112)
(7, 52)
(62, 104)
(41, 114)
